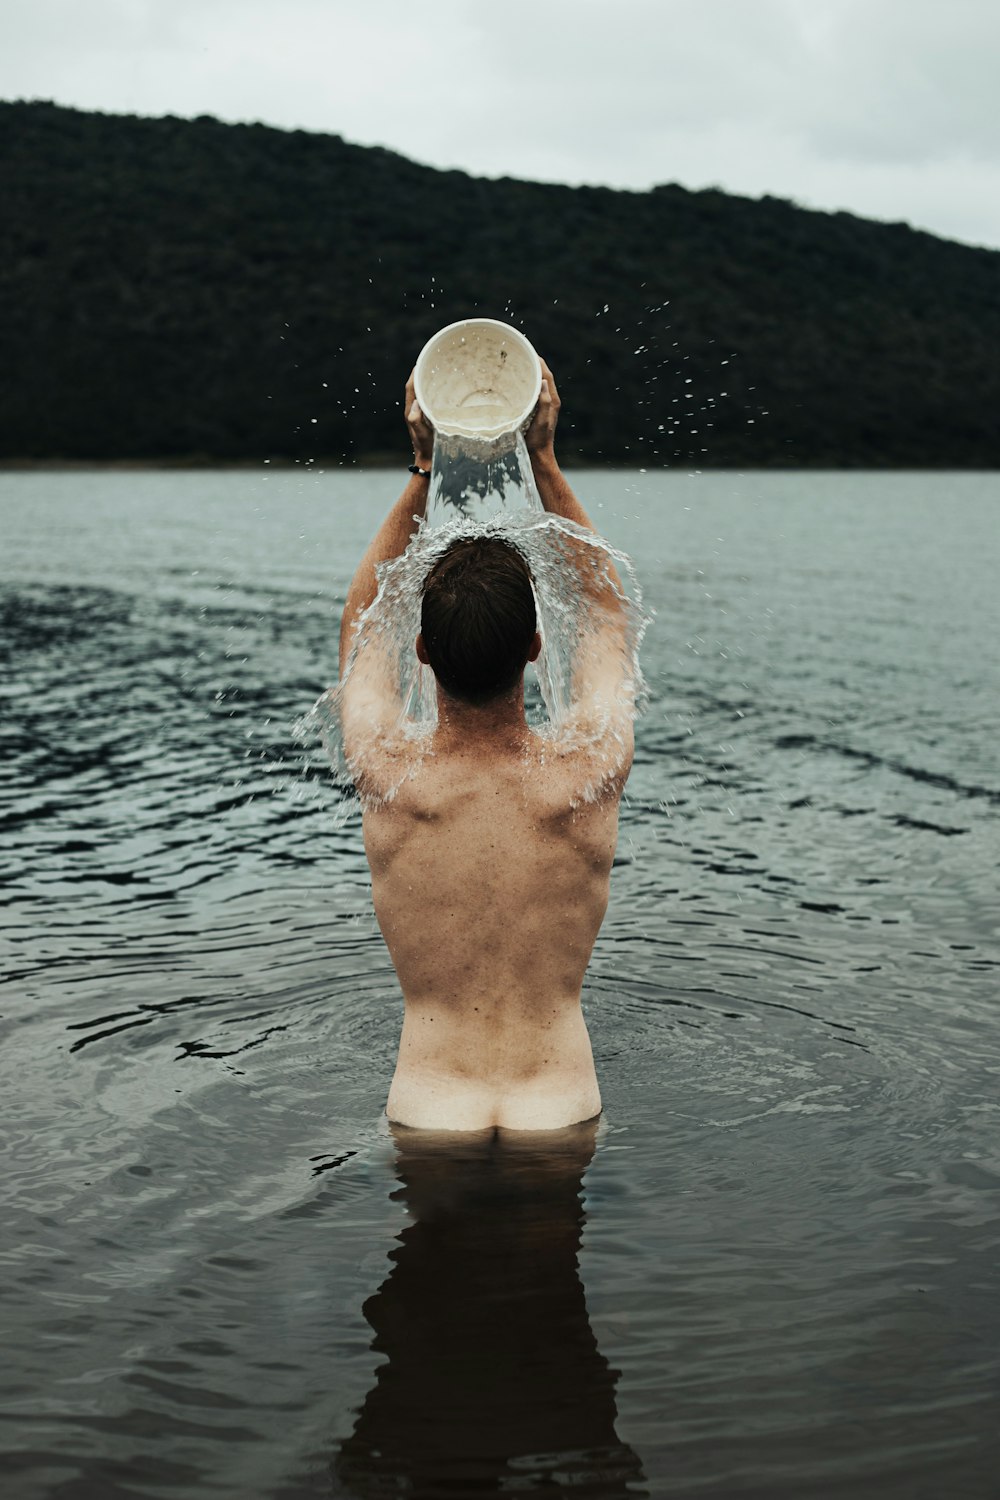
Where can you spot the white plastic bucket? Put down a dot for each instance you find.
(477, 379)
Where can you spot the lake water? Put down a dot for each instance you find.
(773, 1269)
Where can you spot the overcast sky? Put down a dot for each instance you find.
(888, 108)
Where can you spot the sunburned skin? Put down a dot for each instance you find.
(491, 849)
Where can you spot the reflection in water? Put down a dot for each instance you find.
(494, 1381)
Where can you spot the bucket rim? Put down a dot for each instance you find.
(452, 429)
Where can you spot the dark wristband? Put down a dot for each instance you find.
(416, 469)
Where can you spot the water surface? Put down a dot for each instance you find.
(773, 1269)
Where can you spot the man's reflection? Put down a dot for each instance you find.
(494, 1381)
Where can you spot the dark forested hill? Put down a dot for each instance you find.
(184, 289)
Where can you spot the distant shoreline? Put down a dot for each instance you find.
(381, 464)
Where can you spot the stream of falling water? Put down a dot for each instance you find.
(476, 479)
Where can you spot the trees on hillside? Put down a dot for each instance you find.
(183, 289)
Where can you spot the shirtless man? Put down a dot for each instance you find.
(491, 862)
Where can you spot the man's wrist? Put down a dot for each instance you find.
(544, 461)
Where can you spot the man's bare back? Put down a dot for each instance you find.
(490, 888)
(490, 867)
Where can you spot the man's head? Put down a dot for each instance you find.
(477, 620)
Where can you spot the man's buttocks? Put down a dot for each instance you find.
(477, 1066)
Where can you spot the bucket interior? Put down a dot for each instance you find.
(478, 379)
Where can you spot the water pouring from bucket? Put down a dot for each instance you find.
(478, 382)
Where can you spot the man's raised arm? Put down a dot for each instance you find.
(540, 438)
(553, 490)
(393, 535)
(603, 685)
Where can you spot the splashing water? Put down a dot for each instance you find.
(487, 489)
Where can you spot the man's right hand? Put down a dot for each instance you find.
(421, 431)
(541, 434)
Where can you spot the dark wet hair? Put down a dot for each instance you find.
(477, 618)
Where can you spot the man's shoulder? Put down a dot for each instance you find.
(583, 766)
(550, 775)
(383, 761)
